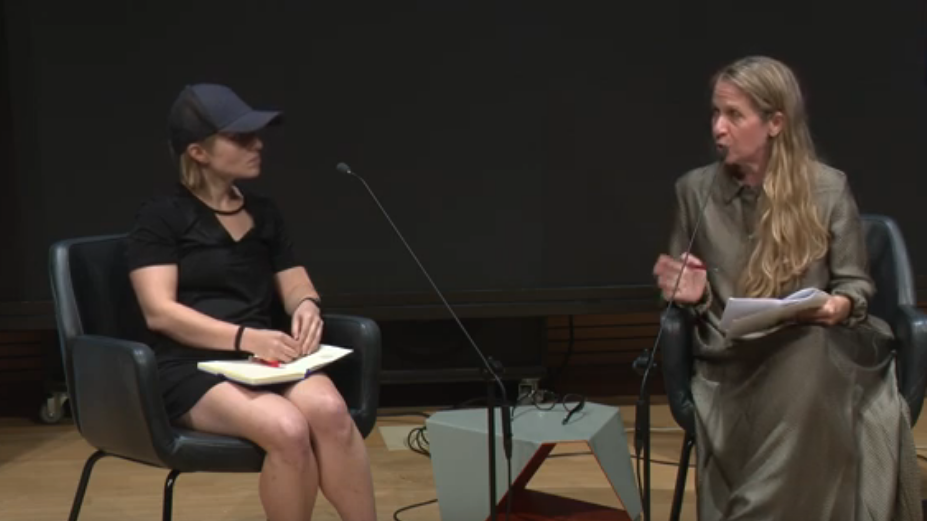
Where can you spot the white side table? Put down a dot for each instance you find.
(459, 459)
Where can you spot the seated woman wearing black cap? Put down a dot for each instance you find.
(204, 263)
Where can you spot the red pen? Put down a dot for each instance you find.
(272, 363)
(690, 264)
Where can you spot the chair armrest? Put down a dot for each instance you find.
(357, 376)
(119, 402)
(676, 348)
(910, 328)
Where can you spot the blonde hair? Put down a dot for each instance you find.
(789, 233)
(191, 172)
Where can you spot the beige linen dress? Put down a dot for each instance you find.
(805, 423)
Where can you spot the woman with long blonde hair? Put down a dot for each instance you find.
(805, 422)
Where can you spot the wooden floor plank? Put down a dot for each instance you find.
(41, 464)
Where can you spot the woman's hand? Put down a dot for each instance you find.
(307, 327)
(270, 345)
(834, 311)
(692, 284)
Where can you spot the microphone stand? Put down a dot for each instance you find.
(490, 371)
(642, 365)
(645, 362)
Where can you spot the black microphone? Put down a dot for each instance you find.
(490, 364)
(647, 359)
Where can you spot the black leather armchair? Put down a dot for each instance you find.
(894, 301)
(112, 378)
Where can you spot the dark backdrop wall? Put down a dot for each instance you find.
(9, 263)
(517, 144)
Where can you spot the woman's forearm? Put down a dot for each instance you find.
(190, 327)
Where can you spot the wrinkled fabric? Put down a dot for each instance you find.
(806, 422)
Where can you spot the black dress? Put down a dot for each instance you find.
(217, 276)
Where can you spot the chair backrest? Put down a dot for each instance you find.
(93, 295)
(889, 266)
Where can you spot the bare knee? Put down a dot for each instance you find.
(287, 434)
(329, 417)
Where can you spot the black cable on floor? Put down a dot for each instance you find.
(410, 507)
(417, 441)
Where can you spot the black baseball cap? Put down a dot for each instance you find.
(205, 109)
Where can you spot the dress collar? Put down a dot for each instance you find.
(732, 186)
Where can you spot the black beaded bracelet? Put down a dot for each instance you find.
(314, 300)
(241, 331)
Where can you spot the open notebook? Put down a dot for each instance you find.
(755, 317)
(253, 372)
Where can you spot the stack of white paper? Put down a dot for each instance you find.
(753, 317)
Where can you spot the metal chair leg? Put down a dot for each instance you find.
(169, 494)
(681, 477)
(84, 480)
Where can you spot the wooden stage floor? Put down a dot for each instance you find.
(40, 466)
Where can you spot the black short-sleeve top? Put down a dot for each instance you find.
(225, 279)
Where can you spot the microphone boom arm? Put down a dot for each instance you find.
(432, 283)
(490, 370)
